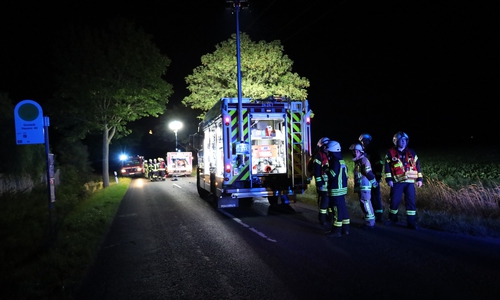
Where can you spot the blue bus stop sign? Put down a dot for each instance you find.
(28, 118)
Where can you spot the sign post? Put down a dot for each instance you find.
(28, 117)
(33, 128)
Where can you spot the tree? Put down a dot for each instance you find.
(265, 71)
(106, 79)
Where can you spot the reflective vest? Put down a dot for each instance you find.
(337, 177)
(401, 164)
(320, 165)
(363, 170)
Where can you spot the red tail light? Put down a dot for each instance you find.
(227, 120)
(228, 168)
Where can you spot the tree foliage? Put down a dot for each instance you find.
(108, 78)
(265, 71)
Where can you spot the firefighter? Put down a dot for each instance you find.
(377, 163)
(150, 169)
(146, 168)
(364, 180)
(320, 163)
(402, 173)
(162, 168)
(337, 189)
(156, 169)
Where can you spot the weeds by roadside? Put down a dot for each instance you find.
(472, 210)
(41, 266)
(36, 267)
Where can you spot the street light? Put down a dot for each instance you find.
(237, 6)
(175, 126)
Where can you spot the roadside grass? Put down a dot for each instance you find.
(48, 259)
(461, 194)
(472, 210)
(49, 262)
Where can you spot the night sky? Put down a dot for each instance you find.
(374, 66)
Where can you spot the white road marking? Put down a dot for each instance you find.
(177, 186)
(247, 226)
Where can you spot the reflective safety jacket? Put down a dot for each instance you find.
(364, 178)
(320, 164)
(337, 176)
(402, 166)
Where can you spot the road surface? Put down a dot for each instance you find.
(168, 243)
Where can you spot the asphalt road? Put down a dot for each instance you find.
(168, 243)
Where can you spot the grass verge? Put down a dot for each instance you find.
(50, 262)
(471, 210)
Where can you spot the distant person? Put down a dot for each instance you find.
(150, 169)
(337, 189)
(146, 168)
(364, 180)
(402, 173)
(319, 165)
(162, 168)
(372, 152)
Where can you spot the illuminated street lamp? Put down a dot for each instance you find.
(175, 126)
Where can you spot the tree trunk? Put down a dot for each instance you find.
(105, 158)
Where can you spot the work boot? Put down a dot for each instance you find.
(336, 231)
(379, 217)
(411, 223)
(345, 229)
(322, 219)
(393, 219)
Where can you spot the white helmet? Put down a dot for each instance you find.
(357, 147)
(323, 141)
(333, 146)
(400, 135)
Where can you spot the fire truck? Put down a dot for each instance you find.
(133, 166)
(268, 159)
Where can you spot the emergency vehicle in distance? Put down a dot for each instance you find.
(269, 160)
(133, 166)
(179, 163)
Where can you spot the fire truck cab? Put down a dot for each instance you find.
(267, 160)
(133, 166)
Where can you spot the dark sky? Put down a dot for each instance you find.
(375, 66)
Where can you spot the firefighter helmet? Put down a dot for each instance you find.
(333, 146)
(400, 135)
(357, 147)
(323, 141)
(365, 136)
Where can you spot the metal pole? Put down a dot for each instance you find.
(238, 59)
(176, 149)
(49, 191)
